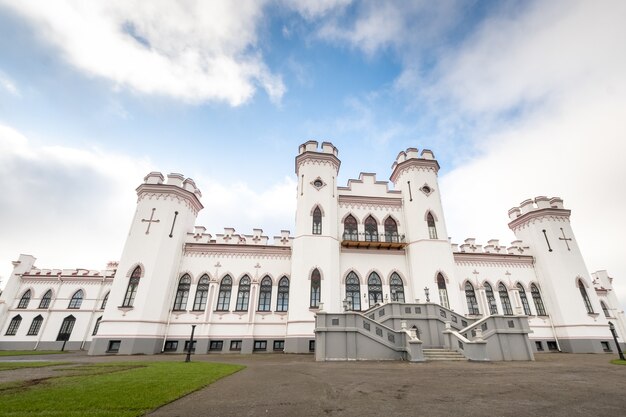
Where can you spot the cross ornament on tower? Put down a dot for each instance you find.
(150, 221)
(565, 239)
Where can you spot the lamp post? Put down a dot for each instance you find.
(188, 358)
(619, 350)
(427, 292)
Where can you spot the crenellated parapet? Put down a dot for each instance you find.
(64, 274)
(410, 160)
(177, 187)
(536, 209)
(311, 152)
(517, 247)
(230, 237)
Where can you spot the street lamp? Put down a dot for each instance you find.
(619, 350)
(427, 292)
(188, 358)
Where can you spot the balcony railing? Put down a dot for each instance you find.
(373, 240)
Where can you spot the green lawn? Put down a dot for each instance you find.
(7, 366)
(618, 362)
(29, 352)
(111, 389)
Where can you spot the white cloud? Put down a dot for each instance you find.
(195, 51)
(9, 85)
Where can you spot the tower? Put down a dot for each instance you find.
(136, 315)
(315, 246)
(564, 282)
(428, 250)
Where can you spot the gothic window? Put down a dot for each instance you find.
(432, 229)
(375, 289)
(14, 325)
(605, 309)
(24, 300)
(131, 291)
(45, 300)
(534, 292)
(282, 303)
(491, 299)
(371, 230)
(66, 328)
(353, 292)
(472, 303)
(202, 293)
(350, 229)
(585, 297)
(223, 299)
(265, 294)
(505, 300)
(317, 221)
(77, 300)
(104, 301)
(243, 294)
(316, 283)
(182, 293)
(522, 296)
(443, 291)
(391, 230)
(396, 286)
(35, 325)
(97, 326)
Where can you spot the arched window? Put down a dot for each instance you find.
(282, 302)
(605, 309)
(35, 325)
(522, 296)
(371, 229)
(97, 326)
(472, 303)
(45, 300)
(66, 328)
(491, 299)
(265, 294)
(104, 301)
(202, 293)
(24, 300)
(505, 300)
(585, 297)
(375, 289)
(443, 291)
(131, 291)
(353, 292)
(77, 300)
(391, 230)
(396, 286)
(223, 299)
(432, 229)
(14, 325)
(243, 294)
(316, 290)
(182, 293)
(350, 231)
(534, 292)
(317, 221)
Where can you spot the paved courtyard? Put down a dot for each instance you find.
(295, 385)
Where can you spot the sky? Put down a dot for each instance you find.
(516, 99)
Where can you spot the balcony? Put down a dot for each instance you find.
(387, 241)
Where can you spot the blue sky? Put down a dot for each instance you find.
(516, 99)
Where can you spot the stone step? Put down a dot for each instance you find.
(443, 355)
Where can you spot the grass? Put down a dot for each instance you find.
(7, 366)
(110, 389)
(618, 362)
(29, 352)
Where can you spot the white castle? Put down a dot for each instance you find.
(357, 250)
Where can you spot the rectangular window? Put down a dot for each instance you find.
(170, 346)
(552, 346)
(311, 345)
(260, 345)
(539, 346)
(606, 346)
(279, 345)
(235, 345)
(114, 346)
(216, 345)
(193, 346)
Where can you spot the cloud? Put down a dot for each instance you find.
(9, 85)
(193, 51)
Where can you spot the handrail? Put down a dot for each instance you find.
(373, 237)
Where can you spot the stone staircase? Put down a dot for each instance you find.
(442, 355)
